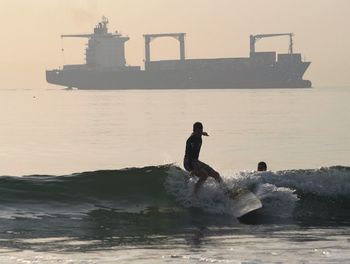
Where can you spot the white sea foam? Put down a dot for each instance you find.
(279, 201)
(210, 198)
(328, 182)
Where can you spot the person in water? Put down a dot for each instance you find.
(262, 166)
(191, 162)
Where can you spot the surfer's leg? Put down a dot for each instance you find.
(210, 171)
(216, 176)
(201, 173)
(202, 178)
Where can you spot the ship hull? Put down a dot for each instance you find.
(277, 76)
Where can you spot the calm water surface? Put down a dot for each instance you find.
(55, 131)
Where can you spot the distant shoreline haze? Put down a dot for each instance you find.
(32, 30)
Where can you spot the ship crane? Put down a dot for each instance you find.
(149, 37)
(255, 38)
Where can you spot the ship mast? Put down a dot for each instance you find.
(100, 29)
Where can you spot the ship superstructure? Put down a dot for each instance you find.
(104, 50)
(106, 67)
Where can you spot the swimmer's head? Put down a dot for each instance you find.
(262, 166)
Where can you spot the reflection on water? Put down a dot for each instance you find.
(103, 229)
(104, 236)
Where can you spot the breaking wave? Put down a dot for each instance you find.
(292, 194)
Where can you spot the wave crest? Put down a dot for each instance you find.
(321, 192)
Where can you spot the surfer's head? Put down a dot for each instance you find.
(198, 128)
(262, 166)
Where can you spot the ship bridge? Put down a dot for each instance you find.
(104, 49)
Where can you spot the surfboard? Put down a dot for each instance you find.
(242, 201)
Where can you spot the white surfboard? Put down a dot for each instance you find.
(242, 201)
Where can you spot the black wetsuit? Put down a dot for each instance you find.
(193, 147)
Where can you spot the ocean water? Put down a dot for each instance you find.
(96, 176)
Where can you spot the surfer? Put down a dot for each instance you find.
(191, 162)
(262, 166)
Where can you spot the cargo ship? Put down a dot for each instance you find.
(106, 66)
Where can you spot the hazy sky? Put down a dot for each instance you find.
(31, 29)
